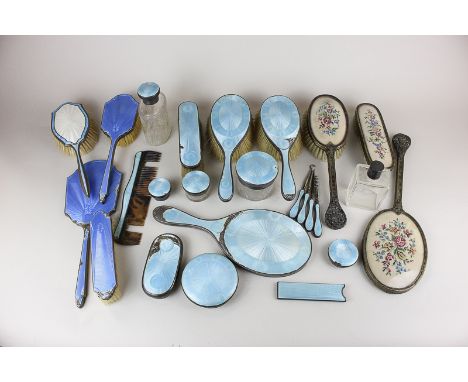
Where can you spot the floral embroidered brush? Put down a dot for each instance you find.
(325, 136)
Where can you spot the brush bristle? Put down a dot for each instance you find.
(265, 144)
(132, 135)
(91, 139)
(309, 141)
(244, 146)
(185, 170)
(115, 296)
(117, 292)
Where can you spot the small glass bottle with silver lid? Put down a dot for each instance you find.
(153, 114)
(369, 186)
(256, 173)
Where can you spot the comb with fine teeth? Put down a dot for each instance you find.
(136, 198)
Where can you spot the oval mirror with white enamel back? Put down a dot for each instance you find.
(70, 125)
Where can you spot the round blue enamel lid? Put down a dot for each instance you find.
(209, 280)
(149, 92)
(343, 253)
(196, 182)
(257, 169)
(159, 188)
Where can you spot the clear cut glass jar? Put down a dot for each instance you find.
(153, 114)
(369, 186)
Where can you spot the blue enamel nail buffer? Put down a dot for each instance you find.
(310, 291)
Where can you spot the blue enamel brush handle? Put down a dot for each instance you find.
(317, 223)
(226, 189)
(106, 177)
(82, 280)
(174, 216)
(288, 187)
(81, 171)
(295, 208)
(309, 223)
(102, 256)
(302, 213)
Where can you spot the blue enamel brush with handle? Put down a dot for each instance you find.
(118, 119)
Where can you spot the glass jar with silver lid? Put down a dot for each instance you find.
(160, 188)
(196, 185)
(256, 173)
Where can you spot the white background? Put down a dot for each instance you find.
(420, 85)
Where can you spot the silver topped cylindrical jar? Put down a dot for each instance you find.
(196, 185)
(256, 173)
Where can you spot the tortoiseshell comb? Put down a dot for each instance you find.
(136, 198)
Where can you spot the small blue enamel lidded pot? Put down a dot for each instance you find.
(343, 253)
(256, 173)
(160, 188)
(196, 185)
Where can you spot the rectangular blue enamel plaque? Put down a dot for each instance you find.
(310, 291)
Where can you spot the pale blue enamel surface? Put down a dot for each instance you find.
(261, 241)
(189, 134)
(209, 280)
(280, 120)
(267, 242)
(317, 222)
(148, 89)
(175, 216)
(159, 187)
(302, 213)
(230, 120)
(295, 208)
(161, 267)
(196, 182)
(343, 253)
(310, 291)
(127, 196)
(257, 168)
